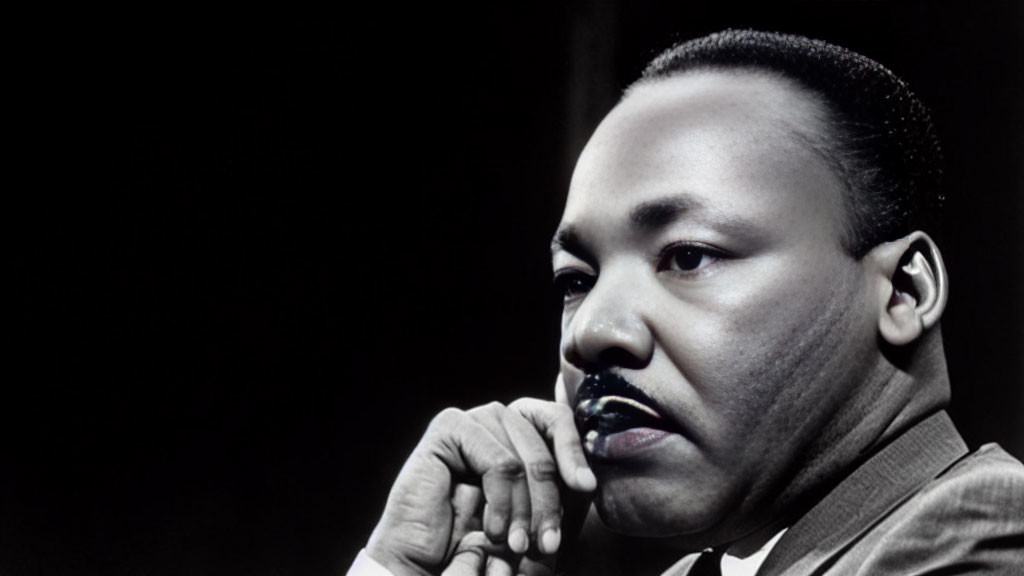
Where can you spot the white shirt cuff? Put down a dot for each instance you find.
(366, 566)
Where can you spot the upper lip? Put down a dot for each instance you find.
(609, 403)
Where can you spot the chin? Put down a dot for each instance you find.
(659, 508)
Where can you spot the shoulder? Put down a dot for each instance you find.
(987, 478)
(971, 516)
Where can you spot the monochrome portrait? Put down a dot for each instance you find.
(576, 288)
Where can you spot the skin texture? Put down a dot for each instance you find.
(765, 353)
(483, 491)
(700, 254)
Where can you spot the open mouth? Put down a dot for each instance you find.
(615, 418)
(614, 413)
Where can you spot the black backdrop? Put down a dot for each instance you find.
(254, 255)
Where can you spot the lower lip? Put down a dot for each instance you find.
(623, 445)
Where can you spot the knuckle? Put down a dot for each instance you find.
(446, 419)
(487, 410)
(509, 468)
(521, 404)
(543, 470)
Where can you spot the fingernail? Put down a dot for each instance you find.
(550, 541)
(518, 541)
(586, 479)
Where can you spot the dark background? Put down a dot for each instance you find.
(254, 255)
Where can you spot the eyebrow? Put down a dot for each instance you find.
(653, 215)
(568, 239)
(660, 212)
(648, 216)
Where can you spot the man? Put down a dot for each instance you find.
(752, 374)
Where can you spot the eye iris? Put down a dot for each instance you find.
(575, 286)
(570, 286)
(688, 259)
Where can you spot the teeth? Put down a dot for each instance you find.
(604, 400)
(590, 441)
(610, 414)
(584, 406)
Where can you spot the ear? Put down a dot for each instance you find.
(912, 287)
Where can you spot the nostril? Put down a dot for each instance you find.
(616, 357)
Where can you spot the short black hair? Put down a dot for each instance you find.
(881, 138)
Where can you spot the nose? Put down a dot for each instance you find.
(608, 329)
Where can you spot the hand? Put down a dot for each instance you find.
(483, 487)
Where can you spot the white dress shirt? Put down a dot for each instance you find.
(734, 566)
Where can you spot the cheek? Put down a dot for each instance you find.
(752, 345)
(572, 377)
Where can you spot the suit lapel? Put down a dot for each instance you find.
(863, 498)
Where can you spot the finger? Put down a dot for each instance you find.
(468, 448)
(555, 422)
(498, 566)
(506, 514)
(470, 555)
(467, 506)
(491, 417)
(542, 478)
(465, 563)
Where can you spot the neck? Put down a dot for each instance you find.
(917, 386)
(906, 386)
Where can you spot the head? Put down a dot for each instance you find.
(741, 255)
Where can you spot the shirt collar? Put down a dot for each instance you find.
(736, 566)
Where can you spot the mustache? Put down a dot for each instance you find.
(606, 402)
(607, 383)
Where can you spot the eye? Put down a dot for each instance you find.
(688, 257)
(572, 284)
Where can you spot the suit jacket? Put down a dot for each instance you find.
(922, 505)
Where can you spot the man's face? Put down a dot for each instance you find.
(700, 253)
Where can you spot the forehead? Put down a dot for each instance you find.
(736, 144)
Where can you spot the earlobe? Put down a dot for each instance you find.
(913, 287)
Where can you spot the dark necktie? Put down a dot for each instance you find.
(709, 564)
